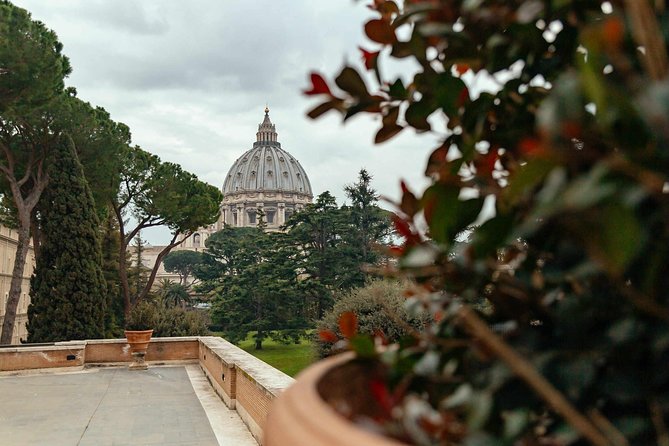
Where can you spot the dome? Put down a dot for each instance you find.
(265, 181)
(267, 167)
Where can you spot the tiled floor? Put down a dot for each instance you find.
(115, 406)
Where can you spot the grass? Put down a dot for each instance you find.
(289, 358)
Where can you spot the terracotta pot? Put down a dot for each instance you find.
(303, 415)
(138, 339)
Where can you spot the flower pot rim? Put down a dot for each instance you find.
(138, 331)
(315, 421)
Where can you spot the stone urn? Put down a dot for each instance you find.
(138, 340)
(304, 415)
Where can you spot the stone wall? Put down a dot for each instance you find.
(244, 382)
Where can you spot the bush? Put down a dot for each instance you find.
(379, 307)
(573, 346)
(179, 322)
(167, 322)
(143, 316)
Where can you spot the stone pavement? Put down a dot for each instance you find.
(171, 405)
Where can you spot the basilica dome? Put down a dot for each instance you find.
(266, 167)
(265, 180)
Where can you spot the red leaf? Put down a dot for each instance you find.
(396, 251)
(428, 209)
(485, 164)
(530, 146)
(409, 204)
(461, 68)
(382, 395)
(402, 227)
(318, 85)
(327, 336)
(386, 132)
(348, 324)
(380, 31)
(613, 32)
(463, 97)
(369, 57)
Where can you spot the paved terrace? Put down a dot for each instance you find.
(197, 391)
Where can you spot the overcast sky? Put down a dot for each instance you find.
(191, 79)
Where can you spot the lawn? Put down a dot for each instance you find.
(289, 358)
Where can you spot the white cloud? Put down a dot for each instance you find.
(191, 80)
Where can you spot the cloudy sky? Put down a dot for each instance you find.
(191, 80)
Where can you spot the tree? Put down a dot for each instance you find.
(317, 231)
(138, 273)
(173, 295)
(253, 279)
(183, 263)
(32, 72)
(158, 193)
(571, 146)
(68, 289)
(369, 224)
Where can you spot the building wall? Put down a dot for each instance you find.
(8, 242)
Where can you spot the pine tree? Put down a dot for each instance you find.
(68, 289)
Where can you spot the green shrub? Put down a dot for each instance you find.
(180, 322)
(143, 316)
(167, 322)
(379, 307)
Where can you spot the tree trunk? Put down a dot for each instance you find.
(122, 269)
(258, 342)
(154, 271)
(22, 247)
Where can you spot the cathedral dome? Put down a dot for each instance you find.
(266, 167)
(265, 181)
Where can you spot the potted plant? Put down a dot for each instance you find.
(543, 264)
(139, 325)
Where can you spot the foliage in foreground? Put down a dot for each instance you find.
(572, 146)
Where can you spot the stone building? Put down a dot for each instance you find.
(8, 242)
(265, 178)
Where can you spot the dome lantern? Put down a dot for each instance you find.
(267, 131)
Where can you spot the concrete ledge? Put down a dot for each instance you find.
(160, 349)
(243, 381)
(42, 357)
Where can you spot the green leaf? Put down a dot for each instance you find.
(397, 90)
(492, 234)
(526, 178)
(417, 113)
(618, 239)
(446, 214)
(363, 346)
(351, 82)
(515, 422)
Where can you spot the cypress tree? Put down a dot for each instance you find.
(68, 290)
